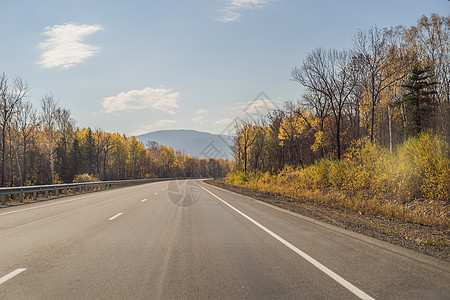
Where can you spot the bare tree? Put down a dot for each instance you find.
(246, 135)
(49, 121)
(10, 98)
(328, 73)
(25, 121)
(65, 126)
(320, 106)
(379, 58)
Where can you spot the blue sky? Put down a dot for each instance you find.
(139, 66)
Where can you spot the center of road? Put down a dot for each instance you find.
(333, 275)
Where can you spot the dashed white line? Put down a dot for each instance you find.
(11, 275)
(143, 200)
(333, 275)
(115, 216)
(156, 193)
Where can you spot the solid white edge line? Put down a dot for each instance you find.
(143, 200)
(333, 275)
(11, 275)
(115, 216)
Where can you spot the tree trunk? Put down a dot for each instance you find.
(390, 127)
(3, 155)
(372, 122)
(51, 158)
(338, 137)
(24, 160)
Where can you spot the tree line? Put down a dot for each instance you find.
(391, 85)
(47, 147)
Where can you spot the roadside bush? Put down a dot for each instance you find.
(85, 178)
(411, 184)
(236, 178)
(424, 165)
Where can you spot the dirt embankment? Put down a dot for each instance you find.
(423, 239)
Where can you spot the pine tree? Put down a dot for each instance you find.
(418, 100)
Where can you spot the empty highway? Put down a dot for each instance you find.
(189, 240)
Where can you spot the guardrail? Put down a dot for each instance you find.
(73, 188)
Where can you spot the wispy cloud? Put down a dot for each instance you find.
(232, 11)
(164, 123)
(150, 98)
(142, 130)
(64, 45)
(224, 121)
(138, 132)
(198, 120)
(201, 111)
(259, 105)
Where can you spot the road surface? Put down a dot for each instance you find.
(190, 240)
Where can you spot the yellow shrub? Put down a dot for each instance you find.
(371, 180)
(424, 163)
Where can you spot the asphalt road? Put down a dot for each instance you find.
(190, 240)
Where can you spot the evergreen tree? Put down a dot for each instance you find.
(76, 156)
(418, 100)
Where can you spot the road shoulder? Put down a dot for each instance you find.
(423, 239)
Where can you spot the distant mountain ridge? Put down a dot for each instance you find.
(191, 142)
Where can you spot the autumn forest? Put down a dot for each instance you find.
(47, 147)
(370, 132)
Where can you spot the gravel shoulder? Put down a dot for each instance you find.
(424, 239)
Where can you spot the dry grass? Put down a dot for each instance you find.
(412, 184)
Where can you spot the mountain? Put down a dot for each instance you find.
(192, 142)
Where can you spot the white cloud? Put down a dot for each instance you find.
(164, 123)
(138, 132)
(154, 98)
(224, 121)
(201, 111)
(198, 120)
(260, 105)
(142, 130)
(231, 12)
(64, 46)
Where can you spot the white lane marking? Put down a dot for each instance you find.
(144, 200)
(11, 275)
(333, 275)
(156, 193)
(115, 216)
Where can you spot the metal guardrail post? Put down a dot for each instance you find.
(3, 200)
(20, 197)
(46, 194)
(34, 195)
